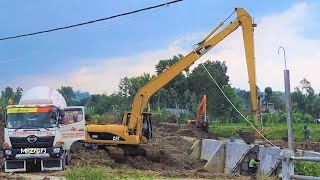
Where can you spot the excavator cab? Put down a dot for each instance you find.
(147, 126)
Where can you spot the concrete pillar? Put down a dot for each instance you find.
(287, 164)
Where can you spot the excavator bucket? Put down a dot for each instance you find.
(247, 136)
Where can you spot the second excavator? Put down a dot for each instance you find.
(201, 120)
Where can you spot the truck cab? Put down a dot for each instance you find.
(39, 134)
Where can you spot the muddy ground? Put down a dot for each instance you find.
(315, 146)
(167, 156)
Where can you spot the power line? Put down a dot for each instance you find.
(67, 36)
(89, 22)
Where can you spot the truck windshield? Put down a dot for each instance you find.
(29, 118)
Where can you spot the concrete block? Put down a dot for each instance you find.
(209, 147)
(268, 157)
(217, 161)
(196, 149)
(234, 152)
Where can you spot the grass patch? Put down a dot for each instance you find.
(272, 132)
(307, 168)
(95, 172)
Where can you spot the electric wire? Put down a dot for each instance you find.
(37, 51)
(121, 23)
(32, 52)
(90, 22)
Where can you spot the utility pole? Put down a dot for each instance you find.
(288, 102)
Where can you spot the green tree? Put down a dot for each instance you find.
(17, 95)
(167, 63)
(277, 101)
(68, 94)
(305, 100)
(246, 96)
(173, 94)
(268, 95)
(7, 93)
(130, 86)
(200, 84)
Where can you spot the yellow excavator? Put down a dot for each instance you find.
(136, 127)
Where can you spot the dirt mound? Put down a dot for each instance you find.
(168, 150)
(315, 146)
(166, 153)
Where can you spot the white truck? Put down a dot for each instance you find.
(40, 130)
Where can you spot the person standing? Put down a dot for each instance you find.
(306, 133)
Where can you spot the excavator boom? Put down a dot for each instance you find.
(144, 94)
(131, 130)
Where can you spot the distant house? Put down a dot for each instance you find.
(269, 106)
(176, 111)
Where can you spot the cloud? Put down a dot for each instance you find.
(282, 29)
(105, 77)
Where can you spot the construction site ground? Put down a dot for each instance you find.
(167, 157)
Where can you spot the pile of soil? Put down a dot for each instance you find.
(315, 146)
(167, 150)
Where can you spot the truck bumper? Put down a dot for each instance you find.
(18, 162)
(17, 153)
(56, 164)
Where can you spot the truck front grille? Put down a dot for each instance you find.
(22, 142)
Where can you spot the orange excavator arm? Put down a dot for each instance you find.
(202, 109)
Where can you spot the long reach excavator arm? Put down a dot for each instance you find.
(136, 125)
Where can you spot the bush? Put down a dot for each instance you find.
(297, 117)
(100, 117)
(283, 118)
(266, 118)
(275, 118)
(307, 168)
(308, 118)
(165, 116)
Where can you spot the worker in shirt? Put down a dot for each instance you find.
(306, 133)
(253, 166)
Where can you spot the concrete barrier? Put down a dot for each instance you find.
(209, 148)
(268, 157)
(222, 156)
(196, 149)
(217, 161)
(234, 152)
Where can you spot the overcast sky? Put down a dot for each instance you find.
(94, 57)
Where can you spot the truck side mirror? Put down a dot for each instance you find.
(62, 112)
(61, 118)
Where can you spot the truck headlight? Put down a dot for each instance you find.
(8, 152)
(56, 150)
